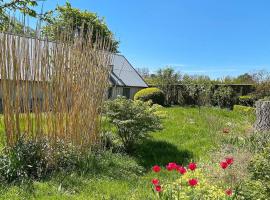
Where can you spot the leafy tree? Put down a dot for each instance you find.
(196, 79)
(23, 6)
(244, 79)
(197, 90)
(65, 18)
(166, 79)
(262, 84)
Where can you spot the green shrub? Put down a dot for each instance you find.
(252, 189)
(26, 160)
(260, 166)
(133, 119)
(224, 97)
(244, 109)
(247, 100)
(154, 94)
(36, 160)
(258, 141)
(258, 185)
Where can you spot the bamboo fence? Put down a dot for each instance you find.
(53, 90)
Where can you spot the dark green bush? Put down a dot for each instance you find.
(35, 160)
(26, 160)
(224, 97)
(154, 94)
(247, 100)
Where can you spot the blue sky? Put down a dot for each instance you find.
(210, 37)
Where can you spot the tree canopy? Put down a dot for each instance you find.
(10, 23)
(64, 18)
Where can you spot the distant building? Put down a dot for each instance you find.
(124, 79)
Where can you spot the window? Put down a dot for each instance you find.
(126, 92)
(110, 92)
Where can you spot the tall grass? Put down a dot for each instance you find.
(53, 89)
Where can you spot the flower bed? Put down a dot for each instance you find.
(193, 182)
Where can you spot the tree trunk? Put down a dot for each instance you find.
(263, 116)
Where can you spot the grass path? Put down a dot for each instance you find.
(188, 134)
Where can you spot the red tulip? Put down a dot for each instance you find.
(158, 188)
(229, 192)
(156, 168)
(193, 182)
(171, 166)
(223, 164)
(182, 170)
(155, 181)
(229, 160)
(192, 166)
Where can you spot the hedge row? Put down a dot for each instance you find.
(200, 95)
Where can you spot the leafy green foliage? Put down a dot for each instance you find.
(252, 189)
(11, 24)
(258, 186)
(260, 165)
(153, 94)
(133, 119)
(247, 100)
(200, 94)
(244, 109)
(24, 6)
(67, 18)
(244, 79)
(106, 175)
(165, 79)
(35, 160)
(262, 86)
(224, 97)
(204, 190)
(26, 160)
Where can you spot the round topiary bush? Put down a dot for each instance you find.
(154, 94)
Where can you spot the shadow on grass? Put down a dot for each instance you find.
(150, 153)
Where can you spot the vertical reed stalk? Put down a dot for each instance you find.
(53, 89)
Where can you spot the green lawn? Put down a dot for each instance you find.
(188, 134)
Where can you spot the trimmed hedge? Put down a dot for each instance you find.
(247, 100)
(244, 109)
(154, 94)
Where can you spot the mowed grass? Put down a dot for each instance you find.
(188, 135)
